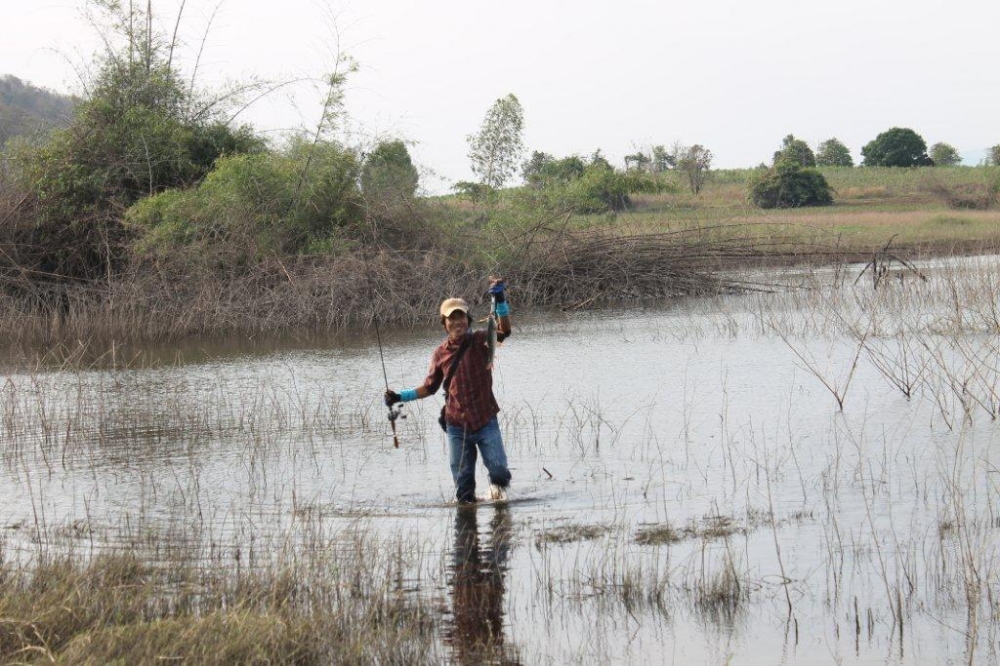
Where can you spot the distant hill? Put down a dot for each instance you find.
(26, 110)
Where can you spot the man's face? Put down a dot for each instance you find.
(457, 323)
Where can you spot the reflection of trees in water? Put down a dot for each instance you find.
(478, 572)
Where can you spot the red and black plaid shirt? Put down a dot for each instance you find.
(470, 401)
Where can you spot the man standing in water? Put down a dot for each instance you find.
(471, 409)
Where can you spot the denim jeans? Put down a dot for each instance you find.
(462, 444)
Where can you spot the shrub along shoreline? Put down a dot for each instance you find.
(554, 268)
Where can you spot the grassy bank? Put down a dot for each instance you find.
(871, 206)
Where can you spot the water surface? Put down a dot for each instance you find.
(801, 532)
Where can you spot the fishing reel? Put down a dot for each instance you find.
(396, 412)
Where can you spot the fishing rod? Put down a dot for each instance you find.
(394, 413)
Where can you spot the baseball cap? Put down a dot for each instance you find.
(451, 304)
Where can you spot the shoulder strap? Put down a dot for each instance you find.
(454, 364)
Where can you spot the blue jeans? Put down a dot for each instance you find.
(462, 444)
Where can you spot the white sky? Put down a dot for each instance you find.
(732, 75)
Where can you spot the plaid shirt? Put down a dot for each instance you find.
(470, 402)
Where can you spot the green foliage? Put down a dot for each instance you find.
(252, 205)
(388, 173)
(694, 162)
(833, 153)
(638, 161)
(533, 167)
(943, 154)
(600, 189)
(896, 147)
(477, 193)
(597, 159)
(663, 159)
(135, 135)
(788, 185)
(569, 184)
(496, 150)
(543, 169)
(993, 156)
(795, 150)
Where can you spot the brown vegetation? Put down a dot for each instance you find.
(71, 611)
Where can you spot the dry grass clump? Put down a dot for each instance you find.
(116, 607)
(714, 527)
(657, 535)
(570, 534)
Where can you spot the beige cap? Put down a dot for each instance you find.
(452, 304)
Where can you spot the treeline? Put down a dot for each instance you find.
(29, 111)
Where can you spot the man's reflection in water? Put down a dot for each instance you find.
(478, 572)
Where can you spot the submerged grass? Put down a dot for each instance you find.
(713, 527)
(570, 534)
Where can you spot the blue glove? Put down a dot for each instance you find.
(497, 290)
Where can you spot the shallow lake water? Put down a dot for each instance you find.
(687, 486)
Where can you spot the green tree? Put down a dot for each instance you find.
(788, 185)
(532, 169)
(943, 154)
(388, 173)
(796, 150)
(638, 161)
(694, 162)
(495, 151)
(896, 147)
(564, 170)
(663, 160)
(597, 159)
(993, 155)
(834, 153)
(142, 130)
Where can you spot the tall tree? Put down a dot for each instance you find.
(694, 162)
(663, 159)
(945, 154)
(993, 155)
(896, 147)
(496, 150)
(795, 150)
(834, 153)
(388, 173)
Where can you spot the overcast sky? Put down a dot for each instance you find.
(732, 75)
